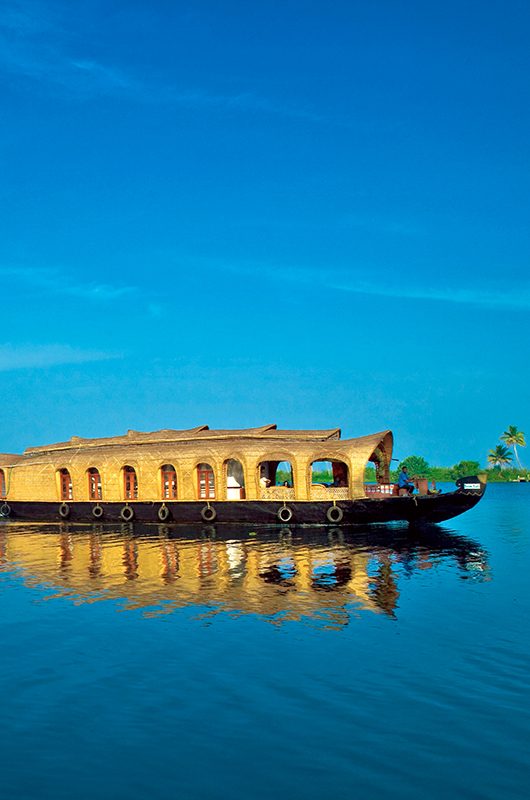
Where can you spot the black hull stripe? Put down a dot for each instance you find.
(435, 508)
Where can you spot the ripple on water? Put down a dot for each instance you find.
(367, 662)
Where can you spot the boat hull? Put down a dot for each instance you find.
(416, 509)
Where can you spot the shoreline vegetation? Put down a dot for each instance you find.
(500, 469)
(438, 474)
(500, 461)
(442, 474)
(451, 474)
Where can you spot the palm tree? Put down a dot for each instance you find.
(499, 456)
(512, 437)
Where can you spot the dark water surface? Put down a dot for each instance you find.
(302, 663)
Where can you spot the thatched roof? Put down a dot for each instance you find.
(198, 434)
(6, 459)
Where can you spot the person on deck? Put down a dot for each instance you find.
(404, 481)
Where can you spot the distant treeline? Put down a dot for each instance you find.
(419, 467)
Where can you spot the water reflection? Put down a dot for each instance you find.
(326, 575)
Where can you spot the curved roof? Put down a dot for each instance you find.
(7, 459)
(200, 433)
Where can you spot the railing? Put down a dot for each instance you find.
(321, 492)
(381, 489)
(277, 493)
(392, 489)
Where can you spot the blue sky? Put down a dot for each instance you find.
(234, 213)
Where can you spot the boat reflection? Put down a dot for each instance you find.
(320, 575)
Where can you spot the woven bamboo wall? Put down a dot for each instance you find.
(35, 475)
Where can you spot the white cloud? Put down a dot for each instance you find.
(40, 356)
(342, 280)
(57, 282)
(36, 44)
(501, 298)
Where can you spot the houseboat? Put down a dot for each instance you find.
(257, 475)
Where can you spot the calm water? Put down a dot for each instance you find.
(245, 664)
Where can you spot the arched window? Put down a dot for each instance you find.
(205, 482)
(168, 476)
(2, 484)
(377, 474)
(380, 464)
(235, 480)
(329, 480)
(66, 489)
(94, 484)
(331, 474)
(276, 480)
(130, 483)
(276, 473)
